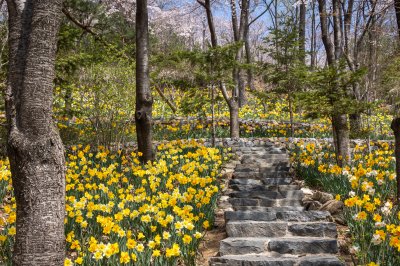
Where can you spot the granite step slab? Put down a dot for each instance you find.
(287, 194)
(268, 209)
(256, 195)
(289, 216)
(277, 181)
(274, 188)
(234, 149)
(265, 202)
(282, 245)
(257, 160)
(280, 229)
(265, 260)
(249, 215)
(266, 156)
(255, 167)
(258, 175)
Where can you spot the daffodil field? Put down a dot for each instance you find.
(110, 120)
(367, 186)
(120, 212)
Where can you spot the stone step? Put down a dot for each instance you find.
(268, 209)
(266, 156)
(256, 160)
(265, 202)
(282, 245)
(256, 167)
(235, 149)
(280, 229)
(257, 175)
(266, 169)
(287, 194)
(277, 181)
(261, 152)
(285, 209)
(289, 216)
(245, 182)
(257, 187)
(256, 195)
(265, 260)
(273, 150)
(249, 215)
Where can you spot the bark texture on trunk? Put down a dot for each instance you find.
(302, 32)
(144, 99)
(334, 53)
(239, 30)
(34, 146)
(248, 55)
(330, 55)
(397, 10)
(396, 129)
(355, 122)
(234, 119)
(342, 139)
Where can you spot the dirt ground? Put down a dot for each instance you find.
(344, 235)
(209, 247)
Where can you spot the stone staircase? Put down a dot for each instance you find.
(269, 226)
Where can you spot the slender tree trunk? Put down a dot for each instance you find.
(276, 23)
(337, 31)
(330, 54)
(144, 99)
(213, 116)
(302, 32)
(313, 30)
(239, 35)
(34, 146)
(335, 144)
(248, 55)
(396, 129)
(232, 102)
(234, 119)
(343, 140)
(334, 53)
(291, 115)
(212, 107)
(397, 10)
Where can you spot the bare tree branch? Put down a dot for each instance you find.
(87, 29)
(266, 10)
(165, 99)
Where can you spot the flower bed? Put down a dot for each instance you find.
(119, 211)
(367, 186)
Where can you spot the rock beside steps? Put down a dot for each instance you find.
(269, 225)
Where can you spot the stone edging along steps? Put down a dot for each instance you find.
(268, 225)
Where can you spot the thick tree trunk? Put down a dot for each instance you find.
(34, 146)
(396, 129)
(342, 138)
(144, 99)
